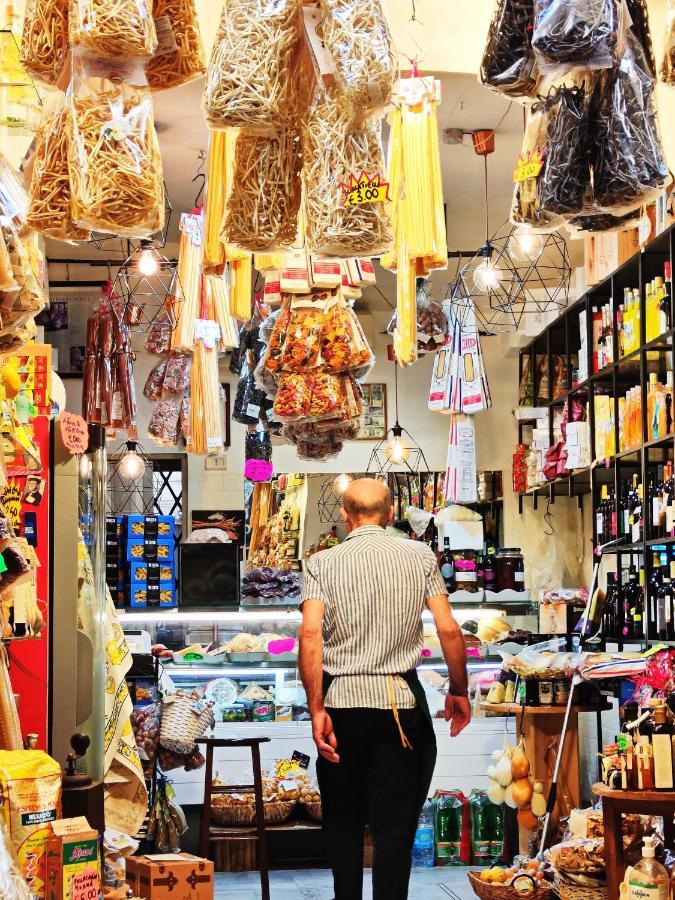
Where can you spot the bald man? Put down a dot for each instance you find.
(360, 643)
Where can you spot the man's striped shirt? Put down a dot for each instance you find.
(374, 588)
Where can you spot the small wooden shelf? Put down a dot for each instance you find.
(513, 709)
(665, 797)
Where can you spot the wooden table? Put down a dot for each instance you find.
(646, 803)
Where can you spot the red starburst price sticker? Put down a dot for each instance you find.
(363, 189)
(529, 165)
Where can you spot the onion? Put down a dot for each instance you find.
(503, 771)
(495, 793)
(508, 797)
(522, 791)
(520, 764)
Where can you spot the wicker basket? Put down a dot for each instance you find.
(236, 814)
(313, 810)
(579, 892)
(183, 721)
(487, 891)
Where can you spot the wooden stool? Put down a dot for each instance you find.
(614, 804)
(208, 833)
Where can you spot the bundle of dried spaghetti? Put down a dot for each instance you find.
(240, 287)
(113, 154)
(182, 59)
(49, 193)
(414, 176)
(113, 28)
(262, 209)
(668, 62)
(44, 41)
(249, 76)
(356, 34)
(218, 180)
(206, 429)
(10, 729)
(216, 296)
(333, 150)
(186, 302)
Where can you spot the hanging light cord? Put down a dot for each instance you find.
(396, 390)
(487, 206)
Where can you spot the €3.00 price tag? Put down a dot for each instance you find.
(529, 165)
(362, 190)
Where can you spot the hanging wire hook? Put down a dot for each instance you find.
(548, 518)
(200, 175)
(419, 57)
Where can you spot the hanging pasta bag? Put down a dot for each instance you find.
(508, 64)
(249, 76)
(575, 32)
(116, 29)
(302, 345)
(668, 61)
(44, 40)
(179, 57)
(114, 160)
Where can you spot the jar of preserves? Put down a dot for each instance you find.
(510, 569)
(466, 570)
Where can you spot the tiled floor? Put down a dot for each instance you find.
(310, 884)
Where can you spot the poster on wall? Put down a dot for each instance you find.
(374, 415)
(230, 521)
(65, 325)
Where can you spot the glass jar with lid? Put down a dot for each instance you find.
(510, 569)
(466, 570)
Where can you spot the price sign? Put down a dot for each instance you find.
(529, 165)
(362, 190)
(74, 432)
(258, 470)
(85, 885)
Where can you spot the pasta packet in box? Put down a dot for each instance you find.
(113, 154)
(324, 271)
(121, 29)
(294, 277)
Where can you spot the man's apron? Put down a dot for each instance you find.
(428, 748)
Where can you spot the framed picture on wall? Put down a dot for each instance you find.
(374, 415)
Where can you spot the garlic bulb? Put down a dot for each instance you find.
(503, 771)
(496, 793)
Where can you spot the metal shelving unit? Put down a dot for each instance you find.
(562, 338)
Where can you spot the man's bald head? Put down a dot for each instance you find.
(367, 501)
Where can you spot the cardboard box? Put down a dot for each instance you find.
(578, 445)
(462, 535)
(73, 861)
(170, 876)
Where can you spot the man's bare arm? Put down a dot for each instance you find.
(310, 663)
(457, 709)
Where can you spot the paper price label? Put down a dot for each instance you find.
(74, 432)
(258, 470)
(166, 41)
(529, 165)
(362, 190)
(85, 885)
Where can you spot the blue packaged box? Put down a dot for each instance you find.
(143, 595)
(153, 549)
(150, 526)
(142, 570)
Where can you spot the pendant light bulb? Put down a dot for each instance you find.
(397, 451)
(341, 483)
(527, 245)
(486, 276)
(85, 467)
(147, 263)
(131, 465)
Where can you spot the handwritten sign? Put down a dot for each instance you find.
(362, 190)
(74, 432)
(529, 165)
(258, 470)
(85, 885)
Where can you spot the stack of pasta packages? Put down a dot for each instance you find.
(591, 154)
(97, 165)
(292, 116)
(21, 293)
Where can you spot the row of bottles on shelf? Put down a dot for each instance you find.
(643, 755)
(626, 602)
(659, 416)
(628, 320)
(625, 518)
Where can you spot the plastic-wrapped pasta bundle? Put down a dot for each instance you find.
(177, 376)
(49, 198)
(333, 149)
(564, 180)
(639, 24)
(508, 61)
(113, 154)
(7, 280)
(275, 348)
(668, 61)
(187, 299)
(10, 729)
(293, 397)
(249, 76)
(113, 29)
(153, 385)
(206, 429)
(218, 180)
(575, 32)
(163, 425)
(343, 345)
(356, 34)
(180, 55)
(628, 160)
(405, 333)
(240, 287)
(302, 347)
(261, 212)
(217, 298)
(44, 41)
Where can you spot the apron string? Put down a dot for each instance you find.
(392, 702)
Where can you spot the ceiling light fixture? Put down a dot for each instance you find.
(342, 482)
(398, 450)
(131, 465)
(148, 262)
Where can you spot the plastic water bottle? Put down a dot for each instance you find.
(423, 847)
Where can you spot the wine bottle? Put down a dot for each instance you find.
(662, 749)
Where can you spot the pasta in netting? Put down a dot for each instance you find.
(262, 210)
(49, 193)
(113, 28)
(356, 34)
(44, 41)
(333, 148)
(249, 77)
(168, 69)
(114, 159)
